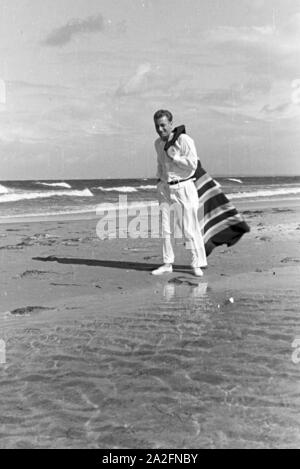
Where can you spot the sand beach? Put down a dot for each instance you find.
(101, 354)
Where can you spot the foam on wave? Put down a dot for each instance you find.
(17, 196)
(55, 184)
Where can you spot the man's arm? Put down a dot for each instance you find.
(190, 158)
(159, 165)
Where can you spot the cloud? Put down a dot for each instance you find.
(138, 82)
(286, 110)
(270, 49)
(281, 108)
(121, 28)
(18, 84)
(57, 119)
(291, 29)
(239, 96)
(243, 34)
(2, 91)
(149, 81)
(63, 35)
(256, 4)
(260, 98)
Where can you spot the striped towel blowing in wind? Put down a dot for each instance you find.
(220, 221)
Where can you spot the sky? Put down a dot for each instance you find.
(80, 81)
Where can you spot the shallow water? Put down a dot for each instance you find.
(181, 367)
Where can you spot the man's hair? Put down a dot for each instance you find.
(162, 113)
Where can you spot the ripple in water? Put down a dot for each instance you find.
(180, 372)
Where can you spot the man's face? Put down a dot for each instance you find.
(163, 127)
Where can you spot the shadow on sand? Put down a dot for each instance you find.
(142, 266)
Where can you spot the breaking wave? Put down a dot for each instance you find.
(265, 193)
(117, 189)
(3, 189)
(17, 196)
(55, 184)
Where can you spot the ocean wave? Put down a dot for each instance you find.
(235, 180)
(55, 184)
(3, 189)
(149, 187)
(15, 197)
(126, 188)
(117, 189)
(265, 193)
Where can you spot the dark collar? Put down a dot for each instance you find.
(176, 132)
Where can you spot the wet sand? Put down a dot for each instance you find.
(99, 353)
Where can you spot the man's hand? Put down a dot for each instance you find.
(173, 153)
(186, 156)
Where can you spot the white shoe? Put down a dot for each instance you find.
(197, 271)
(163, 269)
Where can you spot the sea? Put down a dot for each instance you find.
(32, 198)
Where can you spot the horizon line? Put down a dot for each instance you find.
(143, 178)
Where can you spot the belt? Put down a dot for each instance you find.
(171, 183)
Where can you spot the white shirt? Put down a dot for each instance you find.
(184, 163)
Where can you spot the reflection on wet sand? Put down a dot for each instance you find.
(173, 289)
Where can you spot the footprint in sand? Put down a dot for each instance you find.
(13, 246)
(252, 212)
(34, 273)
(279, 210)
(65, 284)
(290, 260)
(264, 238)
(26, 310)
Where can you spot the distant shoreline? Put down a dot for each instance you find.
(141, 178)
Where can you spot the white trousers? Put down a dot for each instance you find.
(182, 200)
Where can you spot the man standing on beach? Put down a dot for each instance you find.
(175, 168)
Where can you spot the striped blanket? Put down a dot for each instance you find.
(220, 221)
